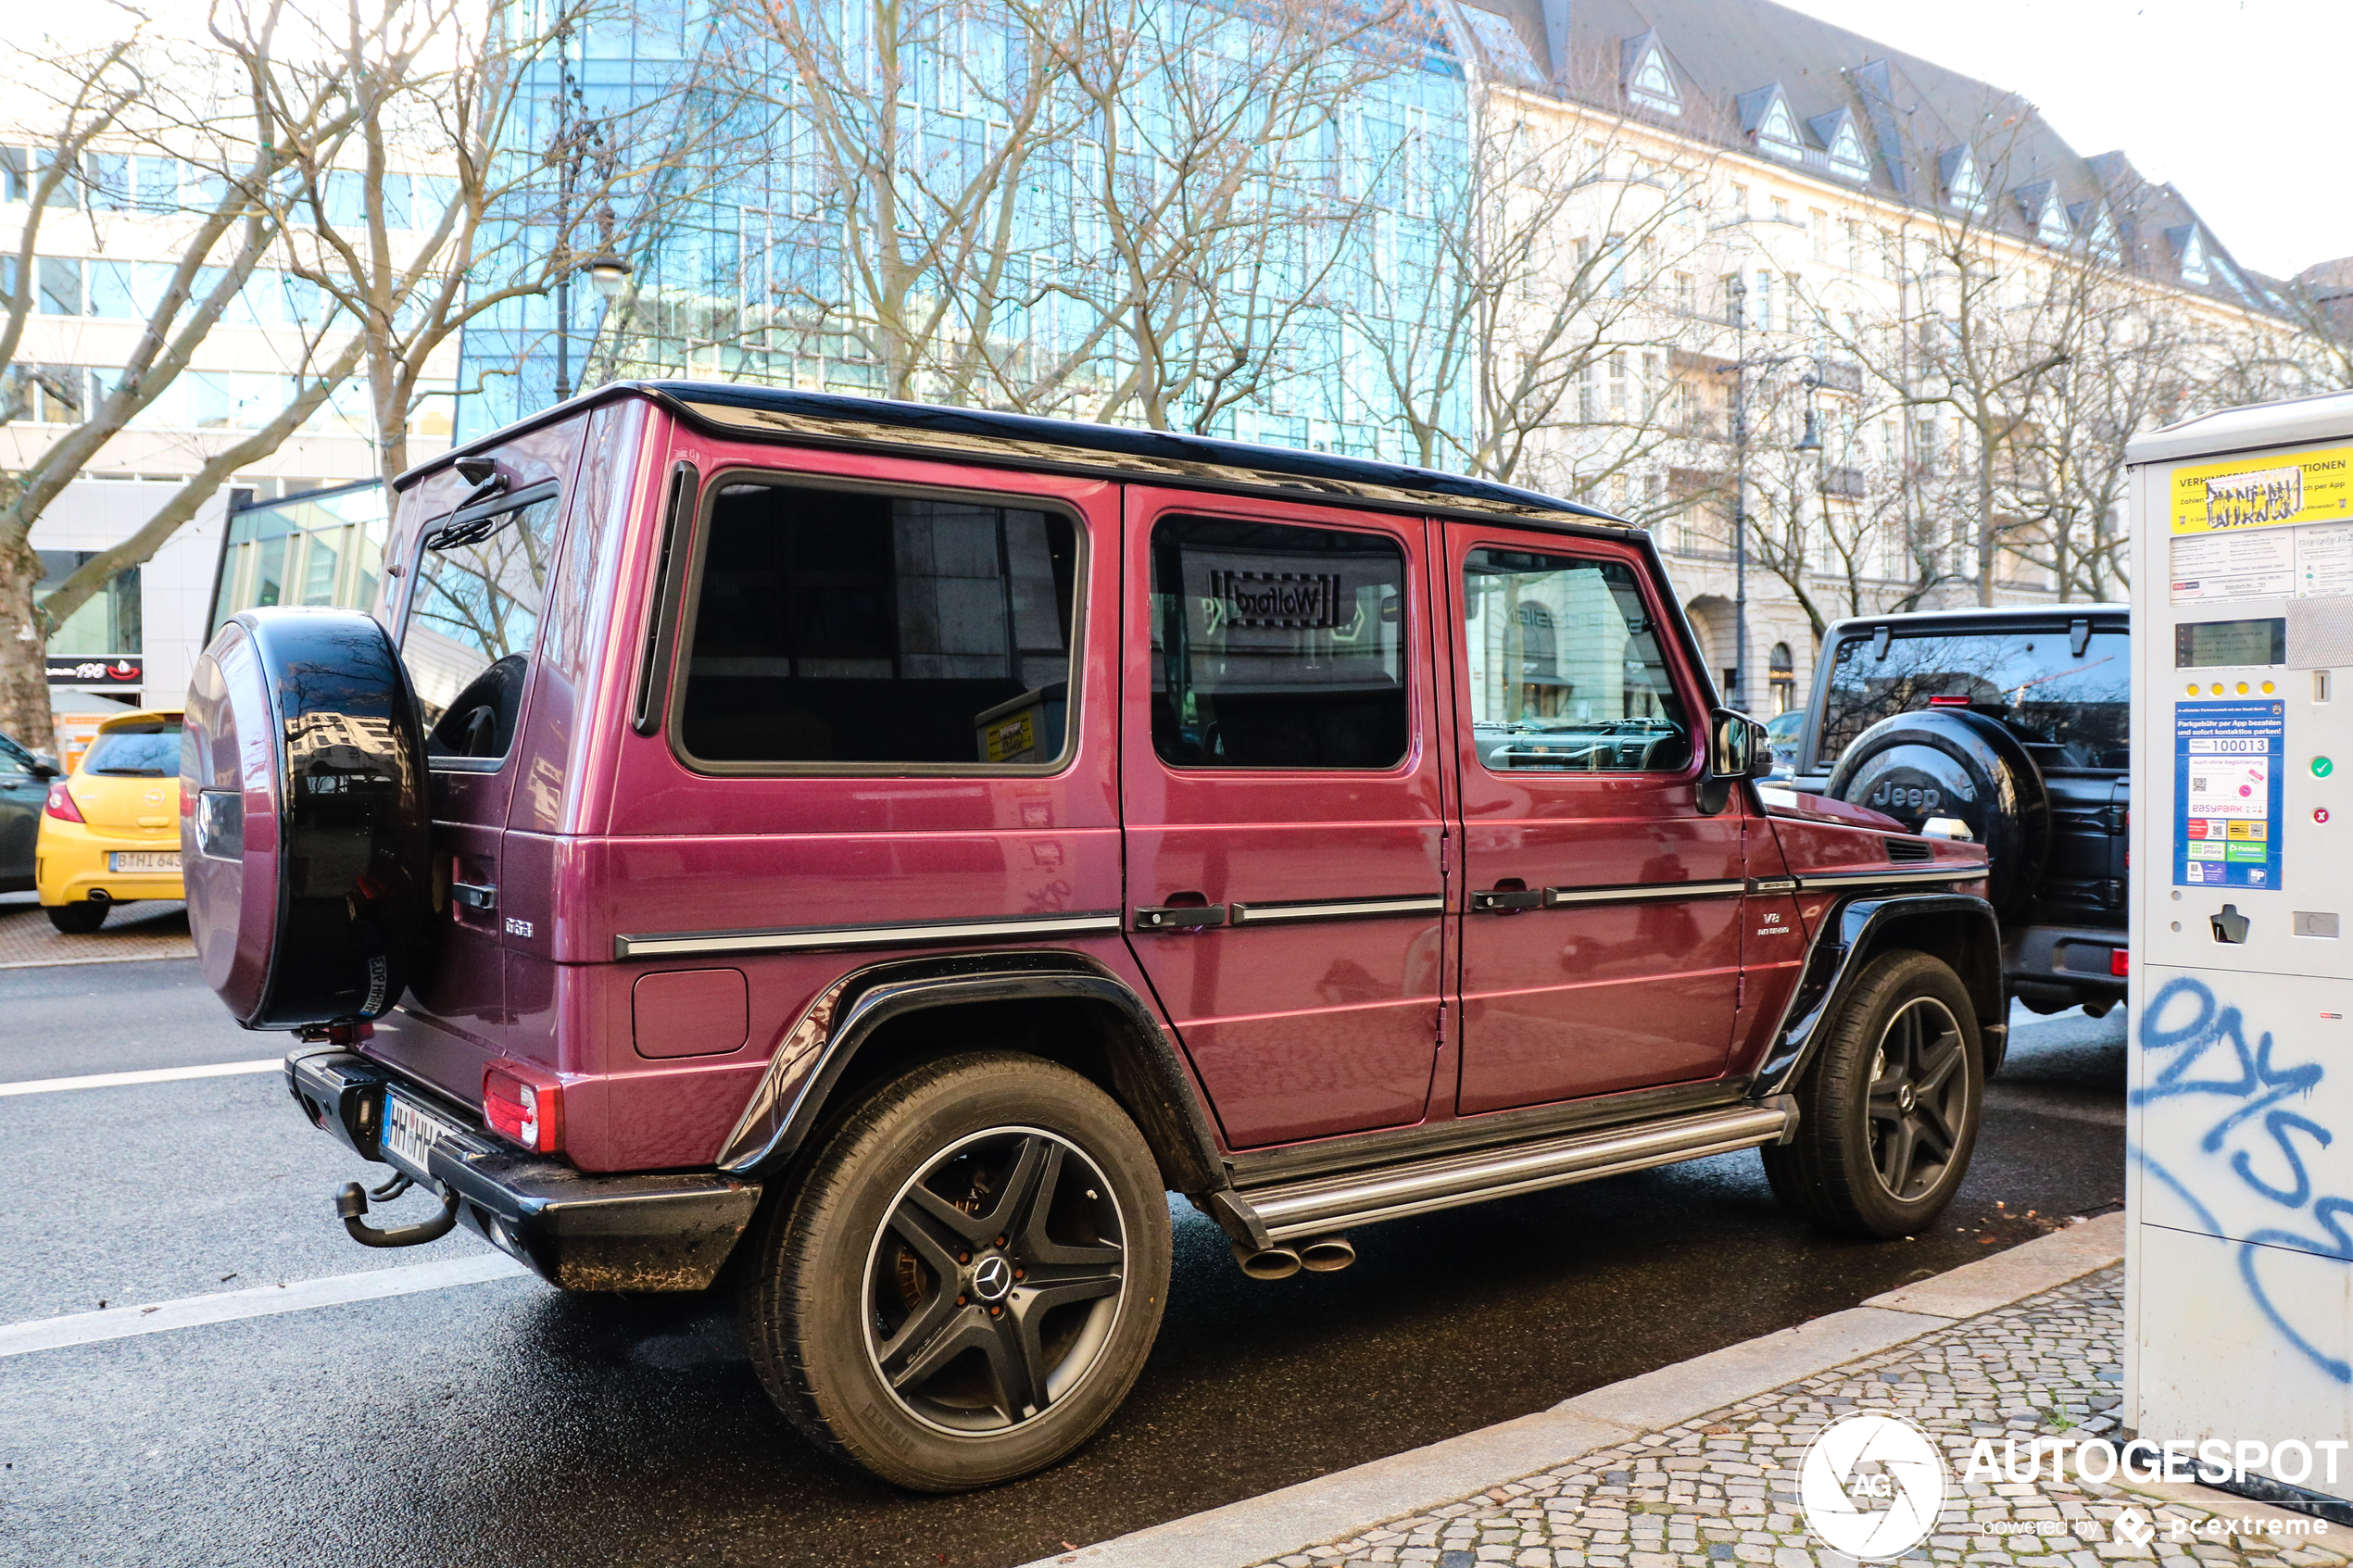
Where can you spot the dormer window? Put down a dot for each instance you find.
(1842, 143)
(1765, 116)
(1651, 83)
(2193, 247)
(2040, 206)
(2107, 247)
(1964, 187)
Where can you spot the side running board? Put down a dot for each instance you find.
(1332, 1203)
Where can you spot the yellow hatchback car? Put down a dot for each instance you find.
(110, 831)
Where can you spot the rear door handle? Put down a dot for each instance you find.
(1178, 917)
(1495, 900)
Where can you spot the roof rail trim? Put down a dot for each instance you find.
(980, 435)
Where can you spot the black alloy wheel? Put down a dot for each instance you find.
(967, 1275)
(1919, 1098)
(1888, 1104)
(995, 1280)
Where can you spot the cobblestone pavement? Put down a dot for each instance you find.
(1721, 1488)
(149, 930)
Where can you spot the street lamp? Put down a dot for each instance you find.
(608, 274)
(1811, 441)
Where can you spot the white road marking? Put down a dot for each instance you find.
(147, 1075)
(228, 1306)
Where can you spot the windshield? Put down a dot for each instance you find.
(2030, 679)
(136, 751)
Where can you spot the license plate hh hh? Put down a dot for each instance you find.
(411, 1131)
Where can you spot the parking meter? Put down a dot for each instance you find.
(2239, 1294)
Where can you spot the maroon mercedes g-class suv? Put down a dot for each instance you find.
(874, 853)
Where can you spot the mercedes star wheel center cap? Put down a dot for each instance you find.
(1905, 1098)
(992, 1279)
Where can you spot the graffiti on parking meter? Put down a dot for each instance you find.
(2307, 487)
(2227, 793)
(2252, 1174)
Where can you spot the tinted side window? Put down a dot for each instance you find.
(1276, 646)
(1565, 671)
(472, 621)
(867, 629)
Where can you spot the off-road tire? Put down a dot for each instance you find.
(808, 1293)
(1832, 1171)
(78, 919)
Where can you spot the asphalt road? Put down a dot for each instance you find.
(506, 1423)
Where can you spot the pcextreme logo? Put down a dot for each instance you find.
(1872, 1484)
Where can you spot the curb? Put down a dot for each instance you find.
(1348, 1502)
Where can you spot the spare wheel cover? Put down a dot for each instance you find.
(1950, 762)
(303, 831)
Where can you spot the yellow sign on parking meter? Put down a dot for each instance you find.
(2264, 492)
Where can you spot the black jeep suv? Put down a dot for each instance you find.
(2015, 722)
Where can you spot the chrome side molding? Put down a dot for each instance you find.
(813, 938)
(1339, 909)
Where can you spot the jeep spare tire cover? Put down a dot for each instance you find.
(1951, 762)
(302, 819)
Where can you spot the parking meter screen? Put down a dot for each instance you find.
(2200, 644)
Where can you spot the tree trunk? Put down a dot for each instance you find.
(24, 669)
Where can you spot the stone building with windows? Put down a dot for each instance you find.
(1844, 243)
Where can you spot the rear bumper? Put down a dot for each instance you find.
(653, 1232)
(2051, 958)
(70, 862)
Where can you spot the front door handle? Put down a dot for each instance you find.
(1178, 917)
(1496, 900)
(474, 895)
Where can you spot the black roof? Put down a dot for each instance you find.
(1725, 58)
(972, 434)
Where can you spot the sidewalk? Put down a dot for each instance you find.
(1694, 1466)
(150, 930)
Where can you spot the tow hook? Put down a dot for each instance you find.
(352, 1204)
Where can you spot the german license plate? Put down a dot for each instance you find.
(144, 860)
(411, 1131)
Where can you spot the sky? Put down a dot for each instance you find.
(2242, 105)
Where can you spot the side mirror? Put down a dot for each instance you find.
(46, 767)
(1738, 748)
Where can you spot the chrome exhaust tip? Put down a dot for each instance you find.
(1326, 1254)
(1274, 1262)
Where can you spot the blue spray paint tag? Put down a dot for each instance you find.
(2226, 794)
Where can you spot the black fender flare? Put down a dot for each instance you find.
(814, 1055)
(1958, 927)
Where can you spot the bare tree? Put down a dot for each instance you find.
(1225, 169)
(1559, 281)
(441, 208)
(914, 136)
(211, 124)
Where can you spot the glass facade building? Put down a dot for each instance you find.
(752, 253)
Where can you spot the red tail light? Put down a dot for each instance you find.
(60, 804)
(2120, 962)
(525, 1104)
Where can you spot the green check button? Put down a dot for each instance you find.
(2323, 767)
